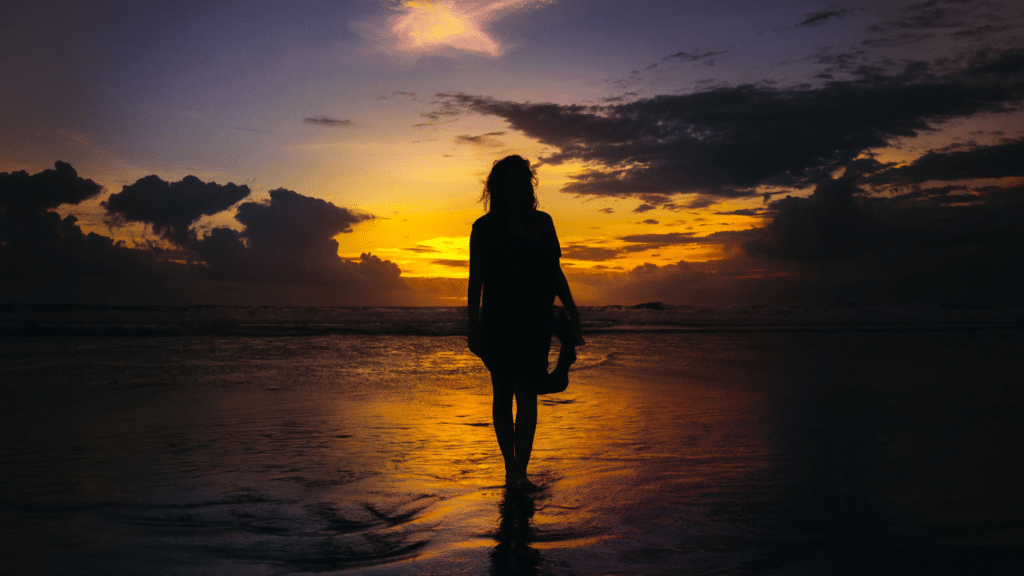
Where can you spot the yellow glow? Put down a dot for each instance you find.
(428, 25)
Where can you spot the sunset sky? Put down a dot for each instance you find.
(689, 152)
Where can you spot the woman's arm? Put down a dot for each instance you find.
(476, 284)
(565, 297)
(561, 284)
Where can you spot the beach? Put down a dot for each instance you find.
(758, 451)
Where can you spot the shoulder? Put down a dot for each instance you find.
(483, 222)
(545, 221)
(486, 226)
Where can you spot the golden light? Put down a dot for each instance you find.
(430, 25)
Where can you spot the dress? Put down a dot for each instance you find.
(518, 276)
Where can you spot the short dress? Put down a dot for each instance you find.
(518, 291)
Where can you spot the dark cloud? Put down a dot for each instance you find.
(290, 239)
(284, 254)
(23, 194)
(933, 14)
(420, 249)
(451, 262)
(590, 253)
(980, 21)
(706, 58)
(724, 142)
(44, 256)
(642, 242)
(996, 161)
(742, 212)
(829, 223)
(327, 122)
(831, 13)
(643, 208)
(649, 221)
(650, 241)
(955, 244)
(607, 210)
(171, 207)
(938, 244)
(487, 139)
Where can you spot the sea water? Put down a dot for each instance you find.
(690, 440)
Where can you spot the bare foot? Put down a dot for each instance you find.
(524, 486)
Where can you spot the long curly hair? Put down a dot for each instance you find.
(509, 166)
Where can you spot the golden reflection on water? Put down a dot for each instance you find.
(723, 453)
(617, 440)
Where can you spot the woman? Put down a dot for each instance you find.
(514, 262)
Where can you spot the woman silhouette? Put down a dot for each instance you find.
(514, 261)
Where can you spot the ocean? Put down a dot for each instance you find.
(691, 440)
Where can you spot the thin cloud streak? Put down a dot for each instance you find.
(327, 122)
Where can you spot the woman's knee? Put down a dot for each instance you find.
(525, 396)
(503, 385)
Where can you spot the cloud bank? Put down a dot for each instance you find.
(730, 141)
(841, 221)
(285, 252)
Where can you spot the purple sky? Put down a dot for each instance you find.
(690, 152)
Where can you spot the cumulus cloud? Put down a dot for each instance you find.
(285, 252)
(727, 141)
(290, 240)
(44, 256)
(171, 207)
(22, 193)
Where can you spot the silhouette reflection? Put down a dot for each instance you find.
(513, 554)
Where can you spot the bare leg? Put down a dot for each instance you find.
(525, 427)
(504, 427)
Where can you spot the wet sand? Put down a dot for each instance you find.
(698, 453)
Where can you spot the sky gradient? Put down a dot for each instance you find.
(333, 153)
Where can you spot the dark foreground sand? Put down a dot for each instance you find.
(701, 453)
